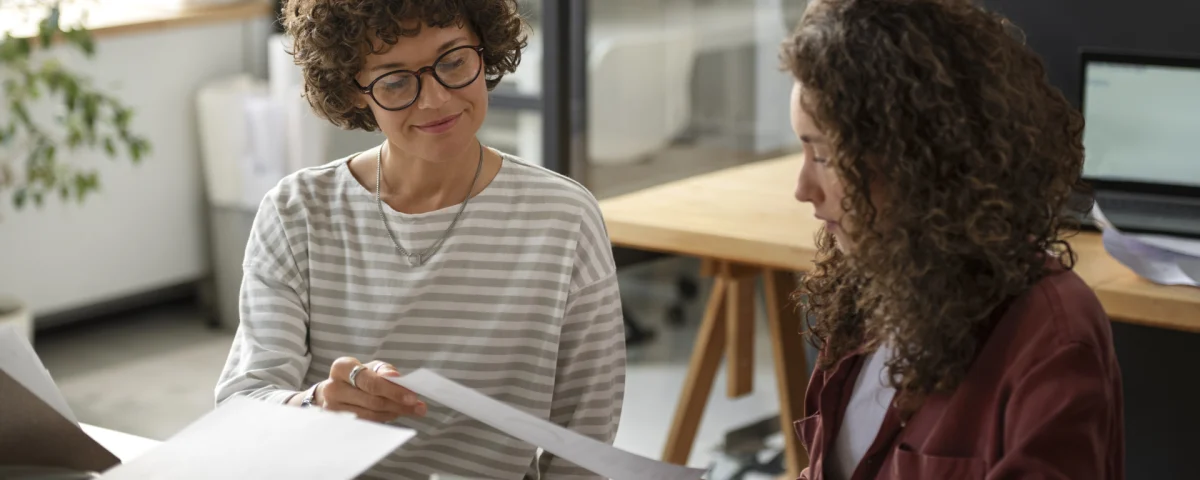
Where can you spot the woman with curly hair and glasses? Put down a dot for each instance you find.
(430, 251)
(956, 342)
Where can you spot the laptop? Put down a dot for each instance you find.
(1142, 139)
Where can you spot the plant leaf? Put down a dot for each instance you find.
(23, 47)
(141, 148)
(9, 50)
(91, 109)
(49, 26)
(74, 136)
(86, 183)
(18, 110)
(121, 116)
(82, 38)
(91, 117)
(52, 74)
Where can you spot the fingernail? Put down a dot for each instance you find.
(422, 409)
(390, 373)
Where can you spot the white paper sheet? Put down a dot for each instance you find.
(253, 439)
(20, 361)
(124, 446)
(598, 457)
(1185, 246)
(1160, 259)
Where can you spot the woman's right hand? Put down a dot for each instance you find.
(375, 398)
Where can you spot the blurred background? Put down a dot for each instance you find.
(132, 291)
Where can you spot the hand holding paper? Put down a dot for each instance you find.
(586, 452)
(371, 397)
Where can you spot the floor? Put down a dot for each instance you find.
(152, 372)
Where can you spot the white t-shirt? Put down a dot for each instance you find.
(864, 415)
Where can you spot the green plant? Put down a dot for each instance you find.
(86, 117)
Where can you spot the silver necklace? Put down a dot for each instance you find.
(418, 259)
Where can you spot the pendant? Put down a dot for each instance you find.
(415, 260)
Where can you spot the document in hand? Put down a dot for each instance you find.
(1160, 259)
(596, 456)
(246, 438)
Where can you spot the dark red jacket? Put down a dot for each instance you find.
(1041, 401)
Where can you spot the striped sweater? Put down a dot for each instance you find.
(520, 303)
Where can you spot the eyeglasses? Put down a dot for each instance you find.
(399, 89)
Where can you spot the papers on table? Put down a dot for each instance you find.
(246, 438)
(241, 439)
(1160, 259)
(20, 361)
(598, 457)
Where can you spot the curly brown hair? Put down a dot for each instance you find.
(332, 40)
(977, 160)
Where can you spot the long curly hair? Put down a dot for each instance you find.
(938, 111)
(331, 41)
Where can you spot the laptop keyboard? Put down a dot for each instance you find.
(1128, 205)
(1151, 215)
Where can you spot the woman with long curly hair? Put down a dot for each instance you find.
(955, 340)
(429, 251)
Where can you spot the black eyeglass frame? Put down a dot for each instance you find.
(370, 88)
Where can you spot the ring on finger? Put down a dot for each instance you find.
(354, 374)
(378, 366)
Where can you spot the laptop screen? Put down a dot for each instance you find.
(1142, 123)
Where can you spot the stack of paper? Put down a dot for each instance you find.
(1160, 259)
(241, 439)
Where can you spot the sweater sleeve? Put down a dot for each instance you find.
(269, 355)
(589, 384)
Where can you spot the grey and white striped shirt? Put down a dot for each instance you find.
(520, 303)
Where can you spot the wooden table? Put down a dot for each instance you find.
(745, 224)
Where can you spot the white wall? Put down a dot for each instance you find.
(145, 228)
(772, 88)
